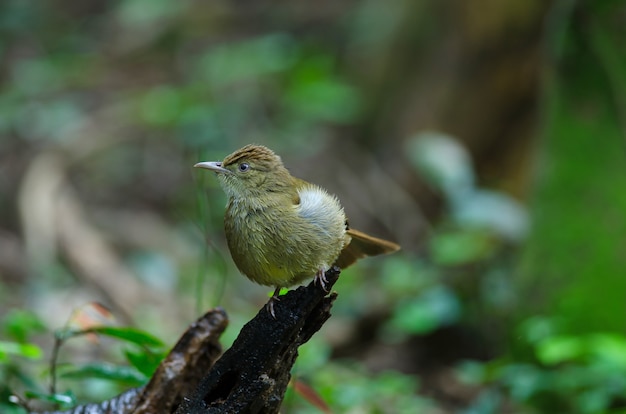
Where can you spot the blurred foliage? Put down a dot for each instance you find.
(578, 374)
(142, 351)
(507, 297)
(579, 227)
(348, 388)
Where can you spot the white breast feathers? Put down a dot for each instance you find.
(321, 209)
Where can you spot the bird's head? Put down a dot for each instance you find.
(253, 171)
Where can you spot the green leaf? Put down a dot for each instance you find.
(456, 248)
(434, 308)
(64, 400)
(145, 362)
(29, 351)
(19, 324)
(610, 348)
(132, 335)
(127, 334)
(127, 375)
(283, 291)
(607, 348)
(560, 349)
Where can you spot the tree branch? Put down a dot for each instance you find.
(251, 377)
(177, 376)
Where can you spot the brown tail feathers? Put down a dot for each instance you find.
(363, 245)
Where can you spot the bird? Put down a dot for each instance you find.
(282, 230)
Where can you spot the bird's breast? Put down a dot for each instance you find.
(282, 243)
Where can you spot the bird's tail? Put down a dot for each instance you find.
(363, 245)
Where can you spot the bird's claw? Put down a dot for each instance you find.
(270, 304)
(320, 277)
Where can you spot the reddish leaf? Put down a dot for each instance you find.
(310, 395)
(90, 315)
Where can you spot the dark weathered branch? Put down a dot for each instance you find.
(252, 376)
(185, 366)
(177, 376)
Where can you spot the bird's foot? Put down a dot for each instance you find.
(320, 277)
(273, 299)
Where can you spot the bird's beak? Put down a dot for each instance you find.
(215, 166)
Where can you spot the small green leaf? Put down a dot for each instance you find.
(127, 375)
(433, 308)
(610, 348)
(64, 400)
(145, 362)
(29, 351)
(560, 349)
(461, 247)
(19, 324)
(131, 335)
(283, 291)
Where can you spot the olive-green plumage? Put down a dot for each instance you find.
(282, 230)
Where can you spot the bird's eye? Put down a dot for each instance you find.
(244, 166)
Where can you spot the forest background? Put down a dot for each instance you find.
(487, 137)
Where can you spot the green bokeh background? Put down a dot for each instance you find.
(486, 137)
